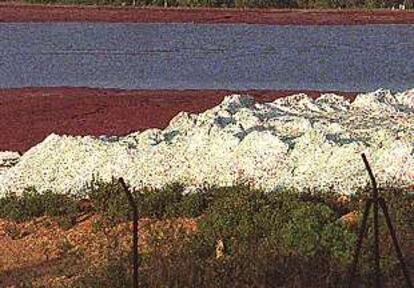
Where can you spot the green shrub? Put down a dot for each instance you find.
(275, 240)
(242, 216)
(108, 199)
(32, 203)
(164, 203)
(167, 202)
(268, 239)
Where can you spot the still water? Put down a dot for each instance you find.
(207, 56)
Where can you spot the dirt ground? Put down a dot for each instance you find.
(42, 253)
(19, 12)
(28, 115)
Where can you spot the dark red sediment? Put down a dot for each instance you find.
(18, 12)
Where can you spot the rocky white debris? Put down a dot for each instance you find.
(293, 142)
(7, 160)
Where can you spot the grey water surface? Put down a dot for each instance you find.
(207, 56)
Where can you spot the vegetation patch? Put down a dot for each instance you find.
(244, 237)
(33, 204)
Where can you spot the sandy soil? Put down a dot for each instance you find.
(42, 253)
(28, 115)
(15, 12)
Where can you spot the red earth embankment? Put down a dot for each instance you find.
(28, 115)
(15, 12)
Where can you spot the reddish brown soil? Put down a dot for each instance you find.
(28, 115)
(12, 12)
(39, 252)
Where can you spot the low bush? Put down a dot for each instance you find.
(168, 202)
(32, 203)
(274, 240)
(268, 239)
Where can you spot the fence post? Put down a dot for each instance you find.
(134, 207)
(376, 225)
(378, 202)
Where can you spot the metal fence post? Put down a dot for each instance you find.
(378, 202)
(376, 225)
(134, 207)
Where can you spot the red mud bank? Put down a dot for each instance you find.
(28, 115)
(40, 13)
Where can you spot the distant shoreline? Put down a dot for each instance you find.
(31, 114)
(20, 12)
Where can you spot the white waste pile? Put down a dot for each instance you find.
(7, 160)
(293, 142)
